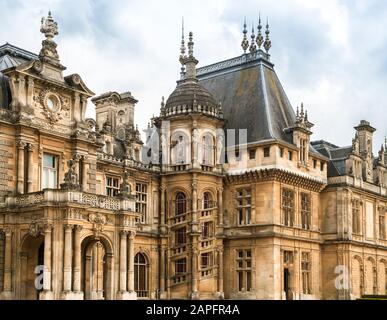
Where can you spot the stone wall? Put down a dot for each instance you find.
(6, 166)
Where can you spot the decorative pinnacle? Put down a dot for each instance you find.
(182, 50)
(245, 42)
(267, 43)
(49, 27)
(259, 36)
(253, 46)
(162, 102)
(190, 45)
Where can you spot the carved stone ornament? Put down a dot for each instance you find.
(52, 104)
(98, 220)
(71, 178)
(35, 229)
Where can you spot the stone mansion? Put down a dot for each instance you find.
(228, 197)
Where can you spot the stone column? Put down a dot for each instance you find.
(220, 206)
(194, 279)
(67, 263)
(108, 277)
(220, 273)
(131, 262)
(77, 259)
(84, 174)
(194, 200)
(47, 257)
(20, 167)
(30, 149)
(162, 270)
(8, 261)
(123, 261)
(162, 210)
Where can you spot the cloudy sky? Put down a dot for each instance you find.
(329, 54)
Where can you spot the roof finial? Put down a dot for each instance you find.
(245, 42)
(253, 46)
(267, 44)
(182, 50)
(190, 45)
(49, 28)
(259, 36)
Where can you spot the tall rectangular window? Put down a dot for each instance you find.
(50, 171)
(252, 154)
(243, 269)
(180, 266)
(141, 200)
(306, 214)
(266, 152)
(112, 186)
(180, 237)
(356, 216)
(244, 206)
(305, 270)
(303, 155)
(207, 230)
(281, 152)
(290, 155)
(206, 260)
(288, 207)
(382, 226)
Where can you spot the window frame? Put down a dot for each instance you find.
(54, 169)
(244, 207)
(110, 189)
(244, 270)
(288, 207)
(142, 205)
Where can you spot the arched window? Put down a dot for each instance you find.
(180, 204)
(207, 201)
(141, 276)
(207, 150)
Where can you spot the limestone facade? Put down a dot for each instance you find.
(88, 211)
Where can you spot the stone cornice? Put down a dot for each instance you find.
(279, 175)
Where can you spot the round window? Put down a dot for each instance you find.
(52, 103)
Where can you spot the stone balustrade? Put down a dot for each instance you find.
(56, 197)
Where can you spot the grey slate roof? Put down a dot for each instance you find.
(251, 95)
(12, 56)
(337, 156)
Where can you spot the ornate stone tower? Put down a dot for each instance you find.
(191, 188)
(365, 133)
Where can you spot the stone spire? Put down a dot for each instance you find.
(302, 118)
(253, 46)
(267, 43)
(385, 151)
(48, 53)
(259, 36)
(182, 50)
(245, 42)
(190, 61)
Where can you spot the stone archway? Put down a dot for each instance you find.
(31, 267)
(96, 273)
